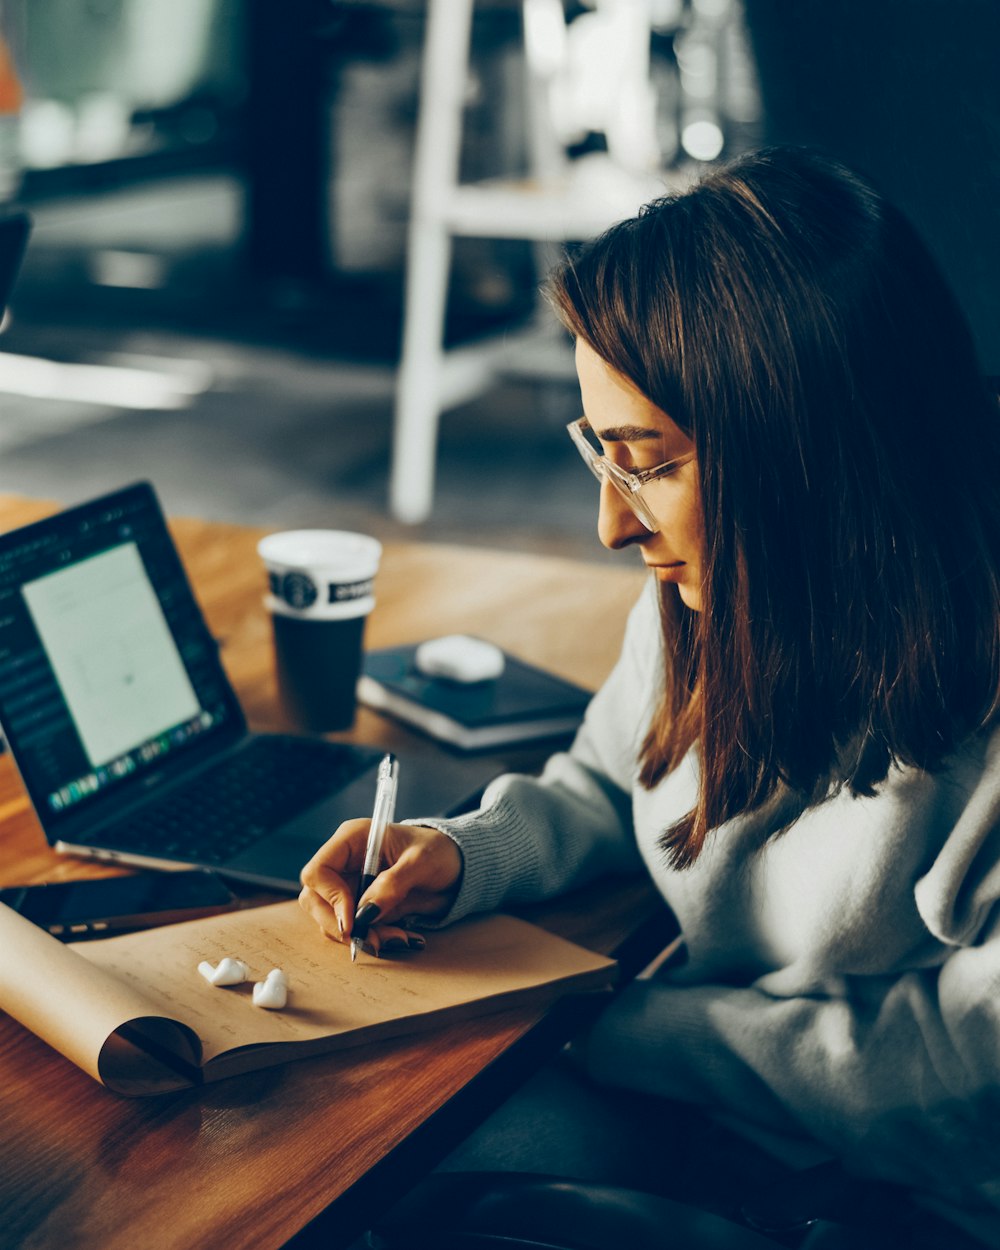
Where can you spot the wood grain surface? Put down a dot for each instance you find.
(250, 1161)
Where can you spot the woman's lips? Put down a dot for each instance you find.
(668, 572)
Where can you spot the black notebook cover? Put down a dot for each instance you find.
(522, 704)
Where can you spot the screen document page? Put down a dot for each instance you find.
(112, 652)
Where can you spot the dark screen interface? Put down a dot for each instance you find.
(105, 664)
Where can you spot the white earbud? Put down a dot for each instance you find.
(228, 972)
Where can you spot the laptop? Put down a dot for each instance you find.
(129, 737)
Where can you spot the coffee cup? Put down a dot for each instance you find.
(320, 591)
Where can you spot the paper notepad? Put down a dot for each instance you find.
(134, 1013)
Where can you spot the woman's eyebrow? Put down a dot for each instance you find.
(627, 434)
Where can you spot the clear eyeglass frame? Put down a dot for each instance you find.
(630, 486)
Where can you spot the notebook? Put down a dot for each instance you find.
(523, 704)
(128, 736)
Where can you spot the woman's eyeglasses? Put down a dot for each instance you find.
(629, 485)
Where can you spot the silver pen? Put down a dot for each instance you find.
(384, 810)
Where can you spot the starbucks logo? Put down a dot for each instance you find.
(298, 590)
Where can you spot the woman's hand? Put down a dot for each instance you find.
(422, 871)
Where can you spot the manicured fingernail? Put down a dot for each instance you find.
(340, 926)
(395, 944)
(415, 943)
(367, 915)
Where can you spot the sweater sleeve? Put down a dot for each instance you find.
(533, 838)
(897, 1076)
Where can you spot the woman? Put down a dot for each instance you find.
(798, 739)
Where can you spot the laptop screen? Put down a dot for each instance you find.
(107, 669)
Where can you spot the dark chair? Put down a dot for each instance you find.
(821, 1209)
(522, 1211)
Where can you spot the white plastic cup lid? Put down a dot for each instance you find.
(320, 572)
(339, 555)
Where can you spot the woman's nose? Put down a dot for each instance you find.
(617, 524)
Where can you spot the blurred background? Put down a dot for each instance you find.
(227, 195)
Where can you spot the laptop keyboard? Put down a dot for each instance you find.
(226, 808)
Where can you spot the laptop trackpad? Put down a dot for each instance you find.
(431, 785)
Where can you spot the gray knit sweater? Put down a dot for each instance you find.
(842, 984)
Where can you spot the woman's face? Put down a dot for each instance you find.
(635, 434)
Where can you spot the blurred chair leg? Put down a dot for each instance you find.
(435, 174)
(418, 387)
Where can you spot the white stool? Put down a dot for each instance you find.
(564, 200)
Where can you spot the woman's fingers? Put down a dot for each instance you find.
(421, 873)
(381, 939)
(330, 877)
(393, 940)
(325, 916)
(424, 871)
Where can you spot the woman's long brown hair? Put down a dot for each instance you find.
(794, 325)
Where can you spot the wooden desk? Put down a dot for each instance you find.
(252, 1161)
